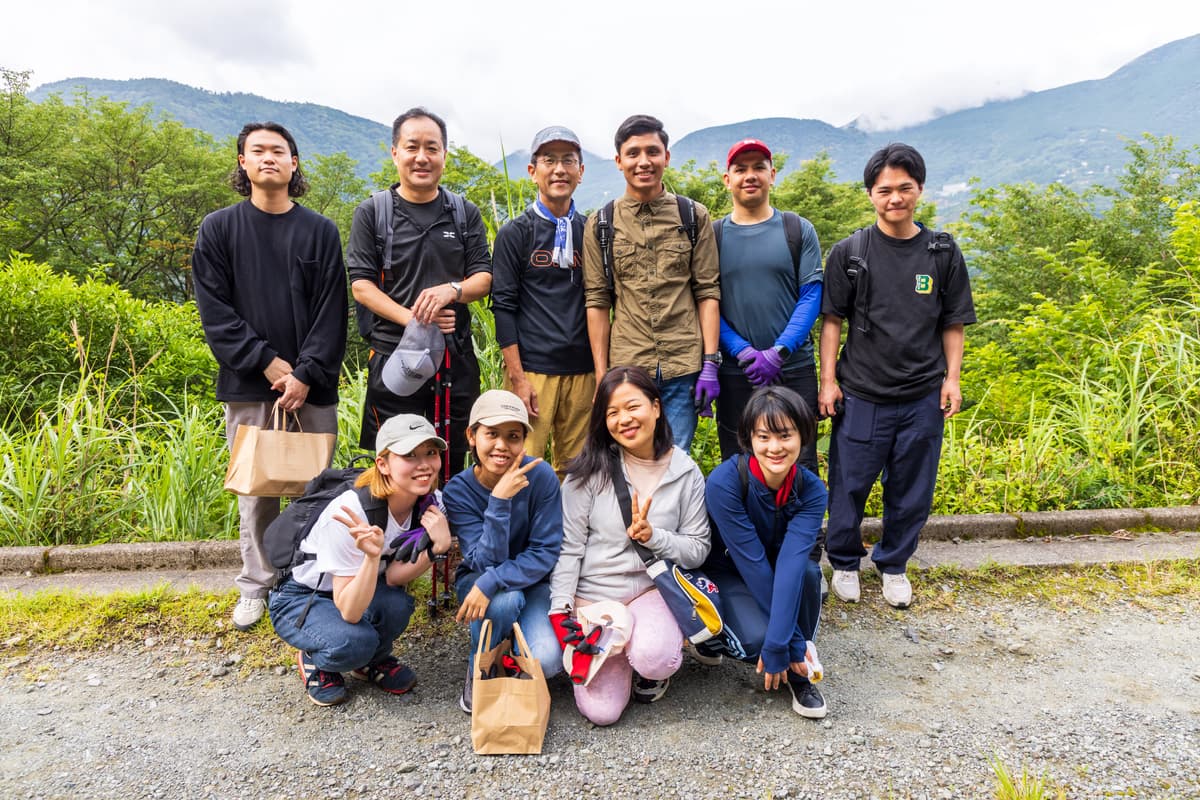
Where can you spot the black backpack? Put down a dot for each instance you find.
(383, 202)
(281, 541)
(793, 230)
(941, 248)
(604, 235)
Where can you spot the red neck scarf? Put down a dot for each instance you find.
(785, 490)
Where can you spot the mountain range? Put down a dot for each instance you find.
(1075, 134)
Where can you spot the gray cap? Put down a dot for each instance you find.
(555, 133)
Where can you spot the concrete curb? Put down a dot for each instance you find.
(225, 554)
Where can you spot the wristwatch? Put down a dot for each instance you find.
(783, 351)
(713, 357)
(457, 287)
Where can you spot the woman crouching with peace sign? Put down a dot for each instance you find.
(507, 514)
(599, 567)
(347, 602)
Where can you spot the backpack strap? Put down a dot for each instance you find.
(717, 226)
(458, 213)
(743, 468)
(941, 247)
(604, 236)
(793, 231)
(687, 217)
(383, 202)
(859, 276)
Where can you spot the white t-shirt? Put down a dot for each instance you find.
(334, 547)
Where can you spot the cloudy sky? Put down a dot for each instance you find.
(498, 71)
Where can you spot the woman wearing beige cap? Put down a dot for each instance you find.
(507, 514)
(347, 601)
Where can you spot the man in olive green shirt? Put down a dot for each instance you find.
(665, 314)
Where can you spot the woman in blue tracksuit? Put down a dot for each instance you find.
(506, 511)
(766, 514)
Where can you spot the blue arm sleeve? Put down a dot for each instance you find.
(803, 317)
(731, 341)
(808, 304)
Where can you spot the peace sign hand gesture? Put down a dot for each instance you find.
(514, 480)
(367, 538)
(640, 529)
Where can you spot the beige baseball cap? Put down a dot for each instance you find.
(497, 406)
(404, 433)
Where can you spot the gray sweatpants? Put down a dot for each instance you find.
(256, 513)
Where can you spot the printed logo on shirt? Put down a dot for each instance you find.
(545, 258)
(448, 235)
(924, 284)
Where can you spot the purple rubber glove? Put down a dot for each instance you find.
(707, 389)
(763, 366)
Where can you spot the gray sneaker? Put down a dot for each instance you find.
(247, 612)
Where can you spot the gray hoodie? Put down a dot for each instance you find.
(598, 561)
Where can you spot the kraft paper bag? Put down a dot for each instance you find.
(508, 714)
(276, 462)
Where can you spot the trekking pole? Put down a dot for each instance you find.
(445, 380)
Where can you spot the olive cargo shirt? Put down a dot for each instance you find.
(659, 278)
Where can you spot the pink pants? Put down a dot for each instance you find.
(654, 650)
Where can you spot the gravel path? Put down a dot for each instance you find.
(1106, 702)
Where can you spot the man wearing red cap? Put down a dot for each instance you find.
(770, 294)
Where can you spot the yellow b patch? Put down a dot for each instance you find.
(924, 284)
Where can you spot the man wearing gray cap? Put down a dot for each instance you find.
(537, 298)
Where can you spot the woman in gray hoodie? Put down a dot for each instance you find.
(598, 561)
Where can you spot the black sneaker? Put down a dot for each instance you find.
(324, 688)
(388, 674)
(648, 691)
(464, 700)
(806, 698)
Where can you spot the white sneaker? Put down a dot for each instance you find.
(897, 591)
(247, 612)
(845, 585)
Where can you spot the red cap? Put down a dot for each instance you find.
(744, 145)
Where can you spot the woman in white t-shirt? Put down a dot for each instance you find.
(345, 605)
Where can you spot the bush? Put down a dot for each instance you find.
(54, 331)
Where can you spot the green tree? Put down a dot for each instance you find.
(96, 185)
(334, 189)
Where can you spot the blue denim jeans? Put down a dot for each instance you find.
(334, 644)
(679, 404)
(530, 607)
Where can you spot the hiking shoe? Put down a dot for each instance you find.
(897, 591)
(649, 691)
(845, 585)
(247, 612)
(702, 654)
(388, 674)
(464, 700)
(806, 698)
(324, 688)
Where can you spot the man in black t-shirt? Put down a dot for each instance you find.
(897, 378)
(271, 291)
(537, 297)
(435, 272)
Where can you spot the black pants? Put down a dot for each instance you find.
(735, 393)
(381, 405)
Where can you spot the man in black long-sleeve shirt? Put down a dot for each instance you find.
(271, 291)
(537, 297)
(436, 270)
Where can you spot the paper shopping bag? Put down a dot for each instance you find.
(276, 462)
(509, 713)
